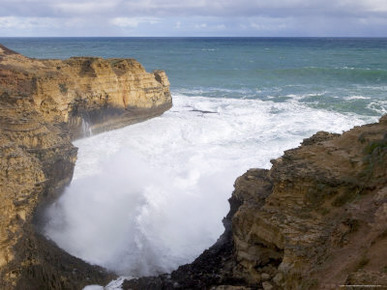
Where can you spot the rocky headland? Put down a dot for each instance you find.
(316, 220)
(44, 105)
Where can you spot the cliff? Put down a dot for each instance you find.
(44, 104)
(316, 220)
(101, 93)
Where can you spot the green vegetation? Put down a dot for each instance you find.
(377, 148)
(309, 284)
(324, 210)
(347, 196)
(362, 263)
(316, 196)
(353, 225)
(375, 155)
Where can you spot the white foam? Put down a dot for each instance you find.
(350, 98)
(150, 197)
(113, 285)
(93, 287)
(379, 106)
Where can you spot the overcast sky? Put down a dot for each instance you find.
(193, 18)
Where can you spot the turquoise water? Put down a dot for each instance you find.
(341, 74)
(150, 197)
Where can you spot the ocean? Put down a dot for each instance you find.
(150, 197)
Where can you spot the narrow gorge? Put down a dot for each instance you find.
(315, 220)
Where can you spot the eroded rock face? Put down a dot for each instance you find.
(43, 104)
(316, 220)
(325, 218)
(104, 93)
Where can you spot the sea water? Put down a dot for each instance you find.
(150, 197)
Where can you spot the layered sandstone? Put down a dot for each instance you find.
(324, 222)
(44, 104)
(316, 220)
(102, 93)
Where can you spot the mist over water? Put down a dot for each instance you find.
(150, 197)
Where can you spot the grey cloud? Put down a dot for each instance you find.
(216, 8)
(196, 17)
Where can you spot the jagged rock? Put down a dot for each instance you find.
(316, 219)
(324, 212)
(278, 278)
(42, 106)
(265, 277)
(267, 286)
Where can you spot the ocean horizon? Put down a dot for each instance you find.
(238, 103)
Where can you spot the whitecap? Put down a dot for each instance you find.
(379, 107)
(350, 98)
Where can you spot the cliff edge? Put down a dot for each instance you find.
(84, 92)
(44, 105)
(316, 220)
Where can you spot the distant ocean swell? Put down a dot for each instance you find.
(345, 75)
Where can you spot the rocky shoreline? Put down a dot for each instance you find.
(44, 105)
(316, 220)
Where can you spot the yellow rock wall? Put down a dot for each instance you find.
(42, 106)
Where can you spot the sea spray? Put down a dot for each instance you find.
(86, 128)
(150, 197)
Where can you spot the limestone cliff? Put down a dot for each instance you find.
(43, 105)
(104, 93)
(316, 220)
